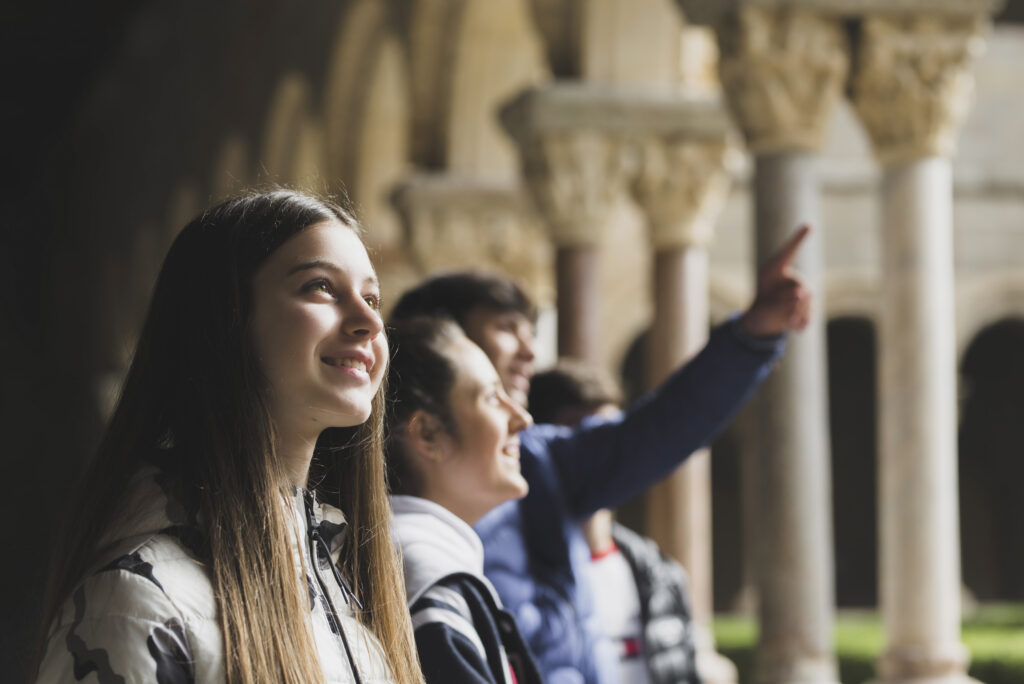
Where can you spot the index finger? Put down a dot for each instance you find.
(784, 257)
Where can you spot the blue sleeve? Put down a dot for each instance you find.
(605, 462)
(448, 656)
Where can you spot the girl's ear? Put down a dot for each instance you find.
(426, 436)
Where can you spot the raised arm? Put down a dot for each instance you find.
(602, 464)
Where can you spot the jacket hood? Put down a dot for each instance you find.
(435, 543)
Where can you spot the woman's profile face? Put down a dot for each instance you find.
(317, 330)
(481, 466)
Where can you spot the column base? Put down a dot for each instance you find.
(792, 668)
(715, 668)
(943, 679)
(916, 665)
(712, 666)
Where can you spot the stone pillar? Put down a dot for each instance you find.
(574, 167)
(681, 185)
(782, 68)
(911, 90)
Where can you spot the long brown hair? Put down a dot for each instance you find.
(195, 382)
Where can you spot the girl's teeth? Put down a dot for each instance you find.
(350, 363)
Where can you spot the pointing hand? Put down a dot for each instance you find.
(782, 302)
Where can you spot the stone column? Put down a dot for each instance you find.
(681, 186)
(911, 90)
(574, 167)
(782, 67)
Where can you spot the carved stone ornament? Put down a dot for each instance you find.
(912, 86)
(782, 70)
(682, 185)
(463, 223)
(575, 178)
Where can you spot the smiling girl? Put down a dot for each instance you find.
(196, 550)
(453, 455)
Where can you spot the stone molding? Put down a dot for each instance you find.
(454, 222)
(615, 110)
(912, 86)
(783, 71)
(710, 12)
(682, 186)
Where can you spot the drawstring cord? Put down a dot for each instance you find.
(316, 541)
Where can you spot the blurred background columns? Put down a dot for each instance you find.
(681, 185)
(911, 89)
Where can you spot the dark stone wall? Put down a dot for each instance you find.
(109, 105)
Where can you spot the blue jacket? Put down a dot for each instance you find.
(534, 552)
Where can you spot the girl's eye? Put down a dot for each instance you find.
(319, 285)
(373, 301)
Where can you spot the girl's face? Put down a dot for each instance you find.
(480, 468)
(318, 331)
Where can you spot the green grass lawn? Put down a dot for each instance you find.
(993, 633)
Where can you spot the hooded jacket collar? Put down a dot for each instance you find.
(435, 543)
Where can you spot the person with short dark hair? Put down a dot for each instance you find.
(492, 310)
(641, 596)
(534, 552)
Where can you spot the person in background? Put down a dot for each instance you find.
(453, 454)
(640, 595)
(535, 554)
(196, 550)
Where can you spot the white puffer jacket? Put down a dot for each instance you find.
(147, 612)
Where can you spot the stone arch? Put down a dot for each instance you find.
(852, 295)
(991, 472)
(982, 302)
(361, 30)
(497, 54)
(380, 154)
(1012, 13)
(292, 137)
(231, 170)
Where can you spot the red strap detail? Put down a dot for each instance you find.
(604, 553)
(631, 647)
(512, 672)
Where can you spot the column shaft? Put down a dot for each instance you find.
(578, 291)
(795, 575)
(920, 564)
(683, 500)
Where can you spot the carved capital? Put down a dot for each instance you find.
(575, 178)
(912, 86)
(782, 70)
(681, 186)
(577, 146)
(456, 223)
